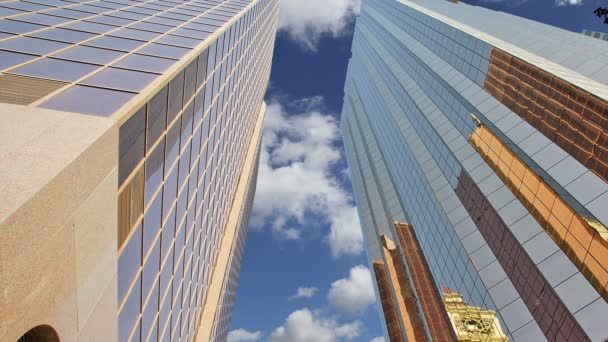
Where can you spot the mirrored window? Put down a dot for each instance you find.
(132, 143)
(122, 79)
(89, 100)
(170, 39)
(18, 27)
(90, 54)
(10, 59)
(110, 20)
(68, 13)
(161, 50)
(135, 34)
(145, 63)
(90, 27)
(56, 69)
(39, 18)
(63, 35)
(157, 117)
(115, 43)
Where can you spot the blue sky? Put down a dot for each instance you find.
(304, 274)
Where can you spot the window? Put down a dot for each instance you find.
(130, 206)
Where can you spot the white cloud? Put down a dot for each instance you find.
(306, 326)
(242, 335)
(377, 339)
(306, 21)
(297, 180)
(304, 292)
(353, 294)
(568, 2)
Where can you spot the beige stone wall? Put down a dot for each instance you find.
(58, 181)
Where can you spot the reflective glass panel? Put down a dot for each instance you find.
(145, 63)
(63, 35)
(89, 54)
(121, 79)
(161, 50)
(10, 59)
(135, 34)
(56, 69)
(63, 12)
(157, 117)
(115, 43)
(132, 143)
(90, 27)
(106, 19)
(18, 27)
(178, 41)
(38, 18)
(154, 171)
(88, 100)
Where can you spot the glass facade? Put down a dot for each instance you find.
(185, 80)
(416, 94)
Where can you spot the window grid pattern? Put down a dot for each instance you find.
(224, 310)
(189, 188)
(556, 322)
(582, 243)
(466, 53)
(120, 46)
(448, 261)
(409, 48)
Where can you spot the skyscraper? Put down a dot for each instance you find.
(129, 134)
(478, 147)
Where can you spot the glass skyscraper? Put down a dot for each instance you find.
(130, 134)
(478, 148)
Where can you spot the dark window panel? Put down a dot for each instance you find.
(135, 34)
(56, 69)
(176, 96)
(166, 51)
(90, 55)
(63, 35)
(190, 82)
(170, 188)
(89, 100)
(132, 144)
(145, 63)
(18, 27)
(90, 27)
(157, 117)
(115, 43)
(154, 171)
(122, 79)
(10, 59)
(200, 27)
(178, 41)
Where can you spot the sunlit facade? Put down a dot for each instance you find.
(478, 147)
(136, 128)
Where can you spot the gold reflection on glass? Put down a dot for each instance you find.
(584, 241)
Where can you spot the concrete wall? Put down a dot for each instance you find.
(58, 209)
